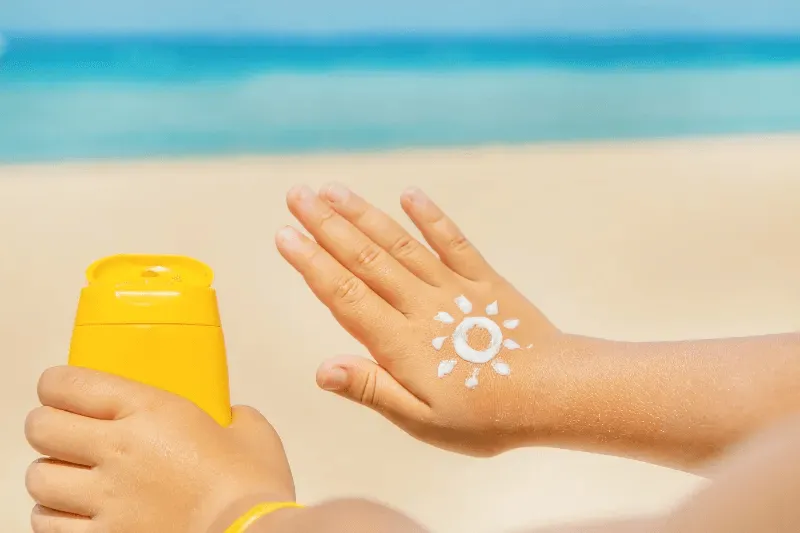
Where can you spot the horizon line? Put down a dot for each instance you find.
(402, 35)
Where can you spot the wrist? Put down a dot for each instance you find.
(620, 398)
(243, 505)
(553, 400)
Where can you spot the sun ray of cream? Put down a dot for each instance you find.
(472, 381)
(444, 318)
(464, 304)
(438, 342)
(492, 309)
(511, 345)
(501, 368)
(447, 366)
(511, 323)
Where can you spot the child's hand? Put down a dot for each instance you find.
(128, 458)
(455, 343)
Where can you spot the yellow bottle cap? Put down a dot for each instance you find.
(148, 289)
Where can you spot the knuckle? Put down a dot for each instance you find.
(149, 399)
(119, 445)
(369, 254)
(59, 382)
(175, 407)
(326, 215)
(349, 289)
(315, 256)
(364, 215)
(404, 246)
(458, 243)
(158, 401)
(436, 219)
(108, 492)
(369, 390)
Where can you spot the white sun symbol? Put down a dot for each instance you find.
(467, 352)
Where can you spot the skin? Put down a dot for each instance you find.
(127, 458)
(138, 460)
(754, 488)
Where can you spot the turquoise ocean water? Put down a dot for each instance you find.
(67, 98)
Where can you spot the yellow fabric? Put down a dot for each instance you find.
(259, 511)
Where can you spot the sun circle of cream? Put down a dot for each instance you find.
(467, 352)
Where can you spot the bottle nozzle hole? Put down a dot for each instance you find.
(153, 272)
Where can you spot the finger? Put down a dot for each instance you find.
(355, 251)
(95, 394)
(387, 234)
(61, 486)
(44, 520)
(366, 316)
(65, 436)
(366, 383)
(445, 237)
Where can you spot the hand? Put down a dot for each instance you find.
(128, 458)
(456, 345)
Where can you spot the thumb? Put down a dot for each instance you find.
(365, 382)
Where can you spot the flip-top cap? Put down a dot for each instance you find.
(148, 289)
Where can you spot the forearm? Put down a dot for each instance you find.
(755, 489)
(674, 403)
(338, 516)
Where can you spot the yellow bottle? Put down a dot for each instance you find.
(154, 319)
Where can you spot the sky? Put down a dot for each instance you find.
(369, 16)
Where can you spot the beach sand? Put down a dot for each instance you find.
(638, 241)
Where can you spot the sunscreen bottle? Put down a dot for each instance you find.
(155, 319)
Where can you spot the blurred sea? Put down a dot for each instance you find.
(128, 97)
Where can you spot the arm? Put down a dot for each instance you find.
(755, 489)
(641, 525)
(673, 403)
(362, 516)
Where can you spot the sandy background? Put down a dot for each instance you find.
(657, 240)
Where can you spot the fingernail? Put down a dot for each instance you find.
(302, 192)
(335, 379)
(290, 237)
(415, 195)
(336, 193)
